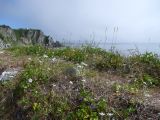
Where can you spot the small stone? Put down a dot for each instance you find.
(8, 74)
(54, 85)
(71, 82)
(65, 77)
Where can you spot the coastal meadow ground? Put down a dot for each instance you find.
(79, 83)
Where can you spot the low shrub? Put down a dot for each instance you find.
(110, 61)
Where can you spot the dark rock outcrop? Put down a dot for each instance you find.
(9, 36)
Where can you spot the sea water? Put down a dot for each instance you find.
(132, 48)
(125, 48)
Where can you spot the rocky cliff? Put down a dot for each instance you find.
(9, 36)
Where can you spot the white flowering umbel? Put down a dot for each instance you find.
(30, 59)
(54, 59)
(110, 114)
(84, 64)
(30, 80)
(83, 80)
(102, 114)
(45, 56)
(80, 69)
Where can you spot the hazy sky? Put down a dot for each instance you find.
(137, 20)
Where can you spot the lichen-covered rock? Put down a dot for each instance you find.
(7, 33)
(9, 74)
(4, 45)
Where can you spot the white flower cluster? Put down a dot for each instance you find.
(83, 80)
(102, 114)
(84, 64)
(45, 56)
(40, 61)
(54, 59)
(30, 80)
(147, 95)
(29, 58)
(110, 114)
(80, 68)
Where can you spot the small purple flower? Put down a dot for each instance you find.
(93, 107)
(81, 99)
